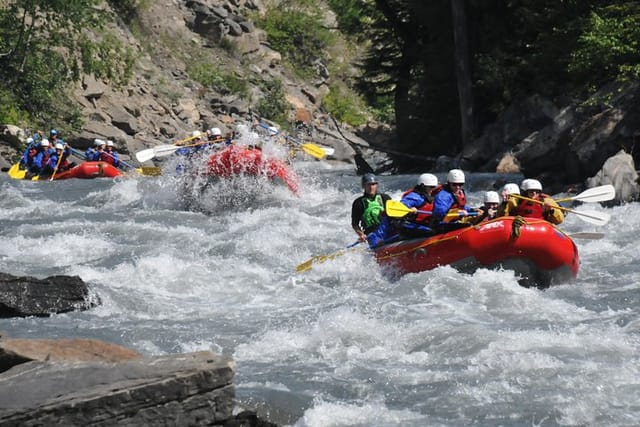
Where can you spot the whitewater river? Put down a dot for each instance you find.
(339, 345)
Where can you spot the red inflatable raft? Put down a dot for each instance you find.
(238, 160)
(538, 252)
(89, 170)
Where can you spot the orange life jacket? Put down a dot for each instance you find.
(530, 209)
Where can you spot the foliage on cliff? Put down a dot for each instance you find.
(410, 75)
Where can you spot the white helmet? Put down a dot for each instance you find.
(29, 140)
(59, 146)
(531, 184)
(491, 197)
(216, 132)
(455, 176)
(97, 142)
(44, 142)
(428, 180)
(109, 143)
(196, 134)
(511, 188)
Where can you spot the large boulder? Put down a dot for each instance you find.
(620, 172)
(28, 296)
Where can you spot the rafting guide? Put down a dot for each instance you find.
(367, 209)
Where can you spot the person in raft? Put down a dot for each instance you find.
(489, 209)
(509, 202)
(451, 199)
(367, 210)
(36, 161)
(419, 198)
(536, 204)
(58, 160)
(415, 224)
(110, 155)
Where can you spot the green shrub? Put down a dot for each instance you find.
(129, 10)
(9, 112)
(273, 105)
(209, 75)
(609, 46)
(298, 35)
(344, 106)
(108, 58)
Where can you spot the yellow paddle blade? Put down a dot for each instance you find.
(16, 173)
(314, 150)
(396, 209)
(149, 171)
(308, 264)
(318, 259)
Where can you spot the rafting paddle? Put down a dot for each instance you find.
(167, 150)
(602, 193)
(587, 236)
(305, 266)
(157, 151)
(55, 170)
(309, 148)
(396, 209)
(592, 217)
(16, 173)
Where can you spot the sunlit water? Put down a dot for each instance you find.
(339, 345)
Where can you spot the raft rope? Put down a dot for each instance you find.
(444, 239)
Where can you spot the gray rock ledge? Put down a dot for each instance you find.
(182, 389)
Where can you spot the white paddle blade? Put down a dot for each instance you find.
(328, 151)
(602, 193)
(145, 155)
(597, 194)
(165, 150)
(593, 217)
(157, 151)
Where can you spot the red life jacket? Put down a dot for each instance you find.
(426, 206)
(460, 200)
(105, 157)
(530, 209)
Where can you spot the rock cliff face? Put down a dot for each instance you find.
(161, 104)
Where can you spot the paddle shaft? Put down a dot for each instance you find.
(55, 170)
(311, 149)
(307, 265)
(397, 209)
(593, 215)
(167, 150)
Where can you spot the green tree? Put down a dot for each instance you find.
(44, 47)
(295, 29)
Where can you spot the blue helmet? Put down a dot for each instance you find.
(53, 132)
(369, 178)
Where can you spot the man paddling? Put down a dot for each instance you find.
(419, 198)
(536, 204)
(367, 209)
(450, 199)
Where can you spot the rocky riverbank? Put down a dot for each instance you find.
(90, 382)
